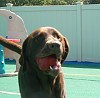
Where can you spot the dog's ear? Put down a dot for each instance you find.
(65, 49)
(23, 57)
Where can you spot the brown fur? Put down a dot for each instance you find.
(10, 45)
(33, 81)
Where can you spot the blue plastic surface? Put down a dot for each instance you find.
(2, 62)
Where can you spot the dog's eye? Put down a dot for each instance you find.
(39, 39)
(58, 37)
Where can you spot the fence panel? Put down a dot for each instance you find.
(79, 23)
(91, 33)
(61, 17)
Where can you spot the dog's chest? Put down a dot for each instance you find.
(35, 87)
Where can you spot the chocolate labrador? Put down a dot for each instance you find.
(40, 74)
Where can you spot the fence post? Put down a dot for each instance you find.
(79, 30)
(9, 6)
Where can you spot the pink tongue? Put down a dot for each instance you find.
(45, 63)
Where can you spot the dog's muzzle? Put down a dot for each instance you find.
(49, 64)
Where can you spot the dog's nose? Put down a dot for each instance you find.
(54, 46)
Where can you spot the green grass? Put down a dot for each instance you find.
(80, 82)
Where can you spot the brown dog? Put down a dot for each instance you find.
(40, 75)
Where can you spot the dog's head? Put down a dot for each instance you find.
(45, 50)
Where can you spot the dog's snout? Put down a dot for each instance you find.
(54, 46)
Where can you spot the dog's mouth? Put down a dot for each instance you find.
(50, 64)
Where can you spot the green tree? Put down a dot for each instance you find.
(3, 3)
(70, 2)
(45, 2)
(32, 2)
(59, 2)
(94, 1)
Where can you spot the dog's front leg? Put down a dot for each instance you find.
(60, 87)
